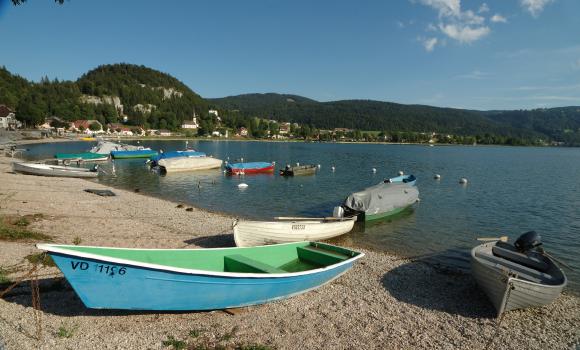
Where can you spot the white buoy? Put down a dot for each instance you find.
(374, 170)
(463, 181)
(318, 166)
(297, 164)
(437, 177)
(243, 185)
(401, 173)
(332, 168)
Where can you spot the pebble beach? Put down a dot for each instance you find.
(384, 302)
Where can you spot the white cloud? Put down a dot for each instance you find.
(535, 7)
(463, 26)
(429, 43)
(431, 27)
(475, 75)
(497, 18)
(483, 8)
(464, 33)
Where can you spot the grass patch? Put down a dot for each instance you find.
(4, 276)
(14, 229)
(40, 258)
(194, 333)
(254, 347)
(65, 332)
(77, 240)
(175, 343)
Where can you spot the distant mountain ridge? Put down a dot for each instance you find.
(561, 124)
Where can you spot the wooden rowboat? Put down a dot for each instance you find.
(298, 170)
(197, 279)
(53, 170)
(515, 280)
(283, 230)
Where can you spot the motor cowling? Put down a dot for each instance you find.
(528, 241)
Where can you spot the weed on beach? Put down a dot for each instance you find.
(14, 229)
(175, 343)
(40, 258)
(4, 276)
(66, 331)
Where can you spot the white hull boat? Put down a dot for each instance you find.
(53, 170)
(177, 164)
(513, 279)
(284, 230)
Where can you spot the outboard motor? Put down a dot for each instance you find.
(338, 212)
(95, 168)
(528, 241)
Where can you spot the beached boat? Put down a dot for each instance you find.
(197, 279)
(249, 168)
(379, 201)
(138, 153)
(85, 156)
(53, 170)
(515, 278)
(177, 164)
(283, 230)
(309, 169)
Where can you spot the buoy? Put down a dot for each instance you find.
(243, 185)
(318, 166)
(401, 173)
(332, 168)
(437, 177)
(374, 170)
(297, 164)
(463, 181)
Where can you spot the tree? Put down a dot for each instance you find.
(94, 127)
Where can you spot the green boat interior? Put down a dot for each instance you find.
(285, 258)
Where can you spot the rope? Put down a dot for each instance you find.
(501, 317)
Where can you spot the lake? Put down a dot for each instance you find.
(510, 190)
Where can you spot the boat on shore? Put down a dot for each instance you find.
(197, 279)
(249, 233)
(138, 153)
(249, 168)
(179, 164)
(53, 170)
(379, 201)
(516, 276)
(309, 169)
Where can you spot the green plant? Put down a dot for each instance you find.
(40, 258)
(175, 343)
(3, 276)
(253, 347)
(65, 332)
(194, 333)
(21, 222)
(77, 240)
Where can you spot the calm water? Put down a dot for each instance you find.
(510, 190)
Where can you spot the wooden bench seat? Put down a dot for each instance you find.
(240, 263)
(319, 256)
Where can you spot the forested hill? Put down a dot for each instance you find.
(560, 124)
(108, 93)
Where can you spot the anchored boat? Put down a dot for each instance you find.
(139, 153)
(177, 164)
(282, 230)
(309, 169)
(54, 170)
(249, 168)
(197, 279)
(84, 156)
(517, 276)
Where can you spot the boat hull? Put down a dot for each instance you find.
(257, 233)
(133, 154)
(249, 168)
(86, 156)
(52, 170)
(140, 288)
(179, 164)
(379, 216)
(507, 292)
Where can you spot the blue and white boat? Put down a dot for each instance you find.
(408, 179)
(176, 154)
(197, 279)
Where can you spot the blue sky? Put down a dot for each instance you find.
(492, 54)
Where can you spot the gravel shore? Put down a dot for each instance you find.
(383, 302)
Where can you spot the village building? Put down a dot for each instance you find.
(242, 132)
(190, 124)
(85, 126)
(8, 118)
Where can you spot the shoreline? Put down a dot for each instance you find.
(384, 299)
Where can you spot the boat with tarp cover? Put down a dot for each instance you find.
(197, 279)
(249, 168)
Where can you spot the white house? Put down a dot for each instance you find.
(8, 118)
(190, 124)
(214, 112)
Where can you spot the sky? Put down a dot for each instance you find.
(474, 54)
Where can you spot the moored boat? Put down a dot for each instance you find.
(298, 170)
(249, 233)
(408, 179)
(515, 278)
(177, 164)
(379, 201)
(53, 170)
(85, 156)
(176, 154)
(197, 279)
(139, 153)
(249, 168)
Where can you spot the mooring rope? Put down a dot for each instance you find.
(501, 317)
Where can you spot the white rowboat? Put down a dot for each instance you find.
(284, 230)
(178, 164)
(53, 170)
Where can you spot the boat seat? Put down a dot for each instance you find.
(509, 252)
(523, 272)
(320, 256)
(240, 263)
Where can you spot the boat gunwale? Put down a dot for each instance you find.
(512, 278)
(54, 248)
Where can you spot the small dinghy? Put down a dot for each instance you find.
(178, 164)
(283, 230)
(298, 170)
(249, 168)
(197, 279)
(54, 170)
(84, 156)
(517, 276)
